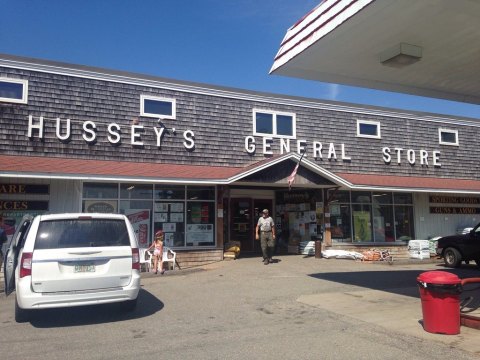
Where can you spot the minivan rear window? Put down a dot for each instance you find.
(74, 233)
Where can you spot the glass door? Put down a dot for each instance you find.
(241, 223)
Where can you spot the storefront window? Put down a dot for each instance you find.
(362, 223)
(381, 198)
(201, 193)
(170, 217)
(150, 208)
(100, 198)
(200, 223)
(402, 198)
(100, 191)
(340, 222)
(383, 229)
(136, 191)
(371, 216)
(404, 230)
(139, 213)
(167, 192)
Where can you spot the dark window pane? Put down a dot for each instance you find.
(402, 198)
(361, 197)
(170, 192)
(264, 123)
(340, 223)
(200, 192)
(76, 233)
(382, 198)
(11, 90)
(136, 191)
(284, 125)
(383, 227)
(368, 129)
(158, 107)
(449, 137)
(100, 191)
(339, 196)
(404, 223)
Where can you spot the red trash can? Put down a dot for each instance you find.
(440, 295)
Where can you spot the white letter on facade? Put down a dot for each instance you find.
(436, 159)
(267, 146)
(284, 145)
(250, 144)
(89, 128)
(113, 130)
(159, 135)
(344, 157)
(301, 147)
(39, 127)
(423, 157)
(136, 135)
(387, 158)
(67, 133)
(331, 151)
(317, 149)
(189, 143)
(399, 154)
(411, 156)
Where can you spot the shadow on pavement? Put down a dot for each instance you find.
(95, 314)
(402, 282)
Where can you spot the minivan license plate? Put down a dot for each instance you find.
(84, 268)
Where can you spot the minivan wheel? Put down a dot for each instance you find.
(21, 315)
(129, 305)
(452, 257)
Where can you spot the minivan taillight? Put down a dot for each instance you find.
(26, 264)
(135, 259)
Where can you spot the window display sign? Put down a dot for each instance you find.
(22, 205)
(199, 234)
(24, 189)
(101, 206)
(140, 220)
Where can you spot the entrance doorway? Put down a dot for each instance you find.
(244, 214)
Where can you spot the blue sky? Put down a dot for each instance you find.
(222, 42)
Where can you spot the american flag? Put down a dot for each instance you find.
(291, 178)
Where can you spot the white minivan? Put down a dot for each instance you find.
(64, 260)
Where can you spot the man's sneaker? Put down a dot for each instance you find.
(265, 262)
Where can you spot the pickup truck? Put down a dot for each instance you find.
(457, 248)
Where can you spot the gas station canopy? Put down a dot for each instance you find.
(428, 48)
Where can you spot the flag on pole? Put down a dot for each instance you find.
(291, 178)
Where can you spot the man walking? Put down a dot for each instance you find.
(265, 230)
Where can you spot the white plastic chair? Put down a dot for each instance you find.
(169, 256)
(145, 259)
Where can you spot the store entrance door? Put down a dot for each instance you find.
(244, 214)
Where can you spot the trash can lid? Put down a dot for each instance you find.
(439, 277)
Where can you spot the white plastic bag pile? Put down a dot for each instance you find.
(342, 254)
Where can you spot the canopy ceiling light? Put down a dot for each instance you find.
(401, 55)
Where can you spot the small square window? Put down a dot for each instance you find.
(448, 137)
(368, 129)
(13, 90)
(267, 123)
(157, 107)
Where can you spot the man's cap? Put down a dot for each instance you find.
(265, 211)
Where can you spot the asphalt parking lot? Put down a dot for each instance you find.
(305, 307)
